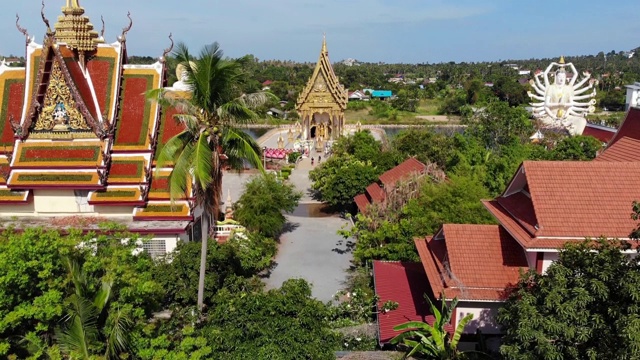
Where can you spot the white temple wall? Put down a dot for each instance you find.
(55, 202)
(111, 211)
(17, 209)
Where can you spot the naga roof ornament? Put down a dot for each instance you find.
(21, 29)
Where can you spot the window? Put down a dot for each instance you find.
(196, 230)
(155, 247)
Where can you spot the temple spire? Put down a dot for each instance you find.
(75, 29)
(324, 43)
(74, 4)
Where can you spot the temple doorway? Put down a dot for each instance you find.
(312, 132)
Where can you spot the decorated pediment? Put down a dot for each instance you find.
(323, 88)
(60, 114)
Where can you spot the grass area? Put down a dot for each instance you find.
(426, 114)
(428, 107)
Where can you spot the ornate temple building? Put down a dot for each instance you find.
(322, 103)
(79, 139)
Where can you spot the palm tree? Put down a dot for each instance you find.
(88, 323)
(434, 341)
(211, 117)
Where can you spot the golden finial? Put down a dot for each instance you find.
(324, 42)
(562, 59)
(21, 29)
(73, 4)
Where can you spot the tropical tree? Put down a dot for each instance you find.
(433, 340)
(211, 117)
(585, 306)
(261, 205)
(89, 323)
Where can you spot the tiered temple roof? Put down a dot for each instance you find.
(76, 117)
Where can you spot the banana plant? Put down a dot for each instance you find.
(433, 341)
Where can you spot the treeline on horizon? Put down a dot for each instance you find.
(618, 65)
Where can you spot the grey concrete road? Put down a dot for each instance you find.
(312, 251)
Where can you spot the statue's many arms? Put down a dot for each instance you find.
(562, 99)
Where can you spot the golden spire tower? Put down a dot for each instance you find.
(322, 103)
(75, 29)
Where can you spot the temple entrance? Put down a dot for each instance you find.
(312, 132)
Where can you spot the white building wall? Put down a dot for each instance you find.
(548, 259)
(632, 96)
(9, 210)
(484, 315)
(55, 202)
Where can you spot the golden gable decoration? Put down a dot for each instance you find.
(60, 113)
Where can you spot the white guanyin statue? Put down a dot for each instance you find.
(182, 76)
(562, 104)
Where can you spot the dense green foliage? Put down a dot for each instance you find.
(243, 323)
(357, 162)
(479, 164)
(262, 203)
(584, 307)
(37, 286)
(238, 259)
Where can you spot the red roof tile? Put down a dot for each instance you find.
(12, 98)
(362, 202)
(583, 199)
(405, 169)
(375, 193)
(520, 207)
(404, 283)
(135, 115)
(625, 149)
(79, 80)
(630, 126)
(472, 262)
(101, 70)
(602, 133)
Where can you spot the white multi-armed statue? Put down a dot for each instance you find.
(562, 103)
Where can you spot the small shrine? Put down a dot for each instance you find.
(563, 101)
(322, 102)
(79, 139)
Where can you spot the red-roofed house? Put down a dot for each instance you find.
(546, 205)
(379, 191)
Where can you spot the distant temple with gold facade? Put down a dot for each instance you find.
(322, 103)
(79, 139)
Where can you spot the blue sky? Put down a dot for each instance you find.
(408, 31)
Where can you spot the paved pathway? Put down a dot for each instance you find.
(312, 250)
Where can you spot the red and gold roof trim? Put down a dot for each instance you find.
(164, 211)
(117, 196)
